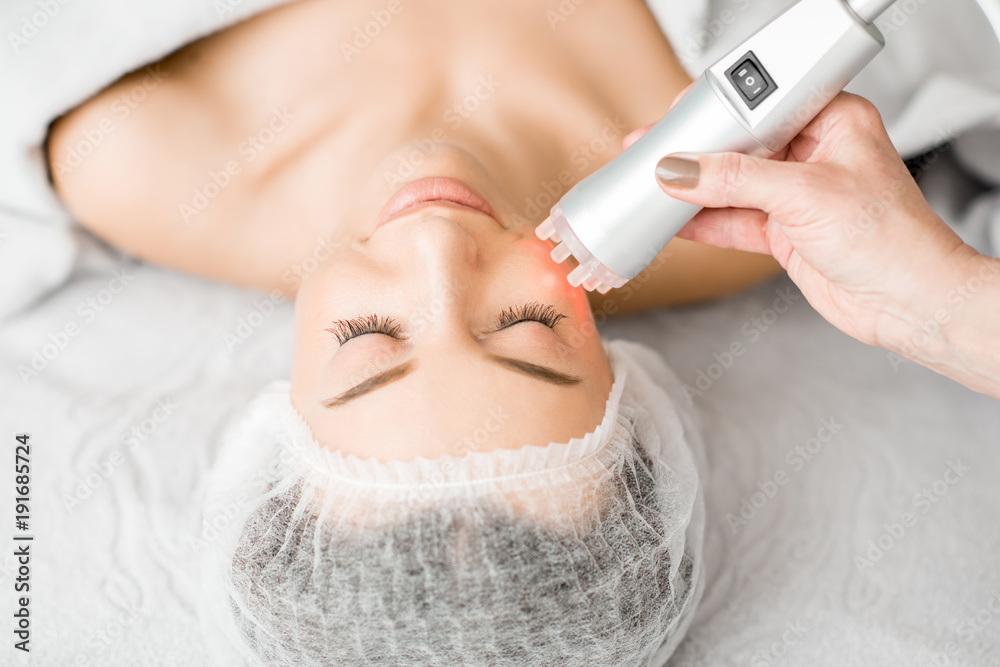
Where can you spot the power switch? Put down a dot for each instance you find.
(752, 80)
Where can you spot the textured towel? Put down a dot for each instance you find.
(819, 444)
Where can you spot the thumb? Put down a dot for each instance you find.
(725, 180)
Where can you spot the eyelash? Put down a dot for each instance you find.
(345, 330)
(531, 312)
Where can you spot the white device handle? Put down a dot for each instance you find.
(869, 10)
(754, 100)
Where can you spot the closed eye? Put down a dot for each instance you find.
(530, 312)
(345, 330)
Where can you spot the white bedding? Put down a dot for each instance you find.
(133, 400)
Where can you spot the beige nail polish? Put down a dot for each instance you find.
(678, 171)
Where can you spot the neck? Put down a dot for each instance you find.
(539, 102)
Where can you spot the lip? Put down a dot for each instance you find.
(449, 192)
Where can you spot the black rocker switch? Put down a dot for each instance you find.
(752, 80)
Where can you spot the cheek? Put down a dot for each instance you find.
(334, 291)
(313, 346)
(546, 278)
(551, 278)
(311, 318)
(305, 372)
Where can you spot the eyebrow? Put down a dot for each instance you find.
(534, 370)
(371, 384)
(398, 372)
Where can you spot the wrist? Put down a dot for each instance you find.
(923, 305)
(972, 298)
(972, 340)
(954, 325)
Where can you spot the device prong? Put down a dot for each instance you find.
(578, 275)
(560, 253)
(545, 230)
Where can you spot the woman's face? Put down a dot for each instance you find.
(440, 328)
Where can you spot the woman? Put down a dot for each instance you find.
(443, 367)
(302, 147)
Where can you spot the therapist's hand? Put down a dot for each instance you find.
(838, 210)
(841, 213)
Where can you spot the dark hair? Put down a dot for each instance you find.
(500, 589)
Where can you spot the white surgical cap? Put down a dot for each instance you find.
(572, 554)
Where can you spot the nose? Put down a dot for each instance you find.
(443, 260)
(444, 251)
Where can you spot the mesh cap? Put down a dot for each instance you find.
(578, 553)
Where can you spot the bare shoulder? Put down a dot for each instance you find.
(148, 164)
(116, 158)
(182, 163)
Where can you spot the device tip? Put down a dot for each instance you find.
(545, 230)
(578, 275)
(560, 253)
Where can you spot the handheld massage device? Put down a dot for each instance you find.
(754, 100)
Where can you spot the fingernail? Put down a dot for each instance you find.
(679, 171)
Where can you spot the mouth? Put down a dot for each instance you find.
(434, 191)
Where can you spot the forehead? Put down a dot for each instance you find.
(561, 486)
(557, 501)
(454, 408)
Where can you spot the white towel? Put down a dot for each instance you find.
(55, 54)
